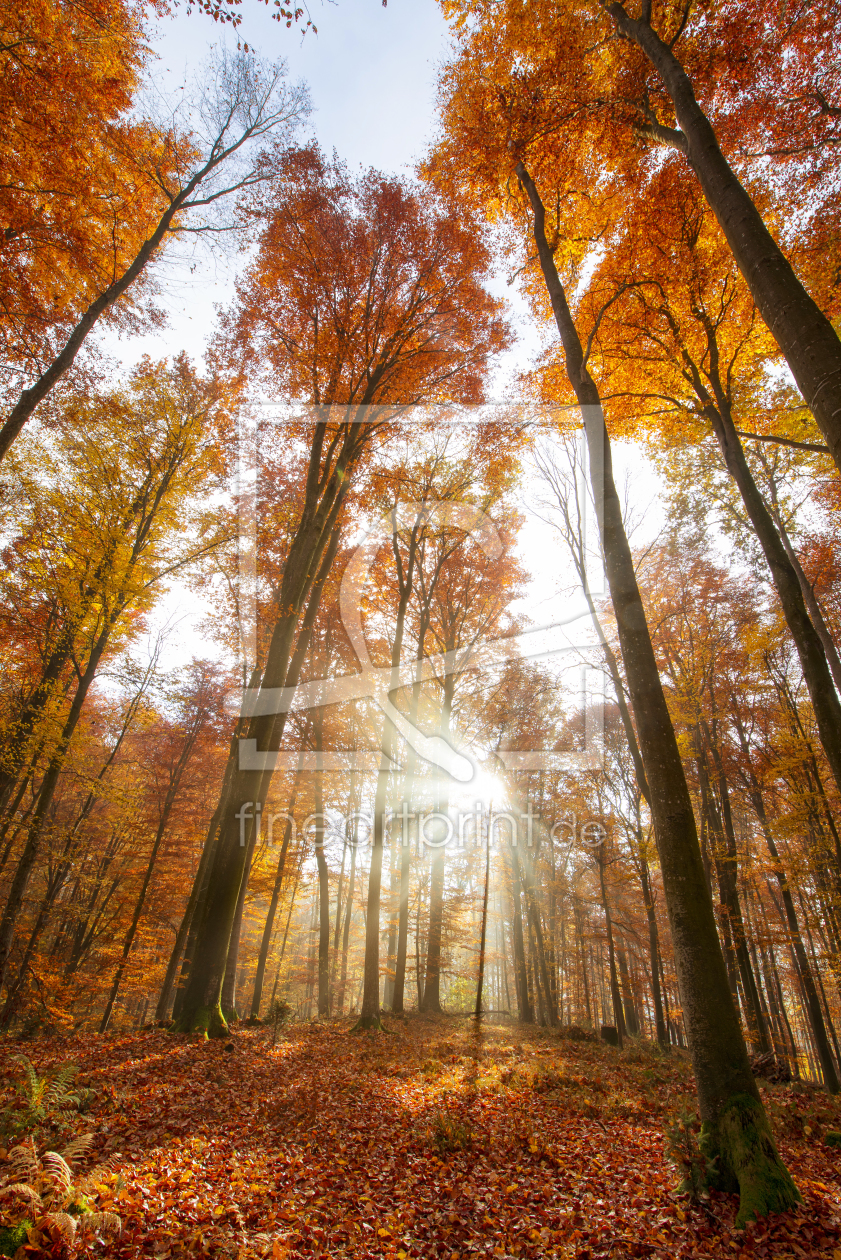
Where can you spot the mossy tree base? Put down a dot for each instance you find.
(741, 1156)
(208, 1020)
(369, 1022)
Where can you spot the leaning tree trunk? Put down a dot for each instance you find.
(736, 1135)
(310, 558)
(810, 650)
(813, 1005)
(46, 792)
(268, 927)
(800, 328)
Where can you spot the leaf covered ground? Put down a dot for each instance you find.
(433, 1140)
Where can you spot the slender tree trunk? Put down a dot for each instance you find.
(323, 881)
(229, 982)
(653, 950)
(484, 931)
(825, 700)
(46, 792)
(628, 1006)
(340, 1001)
(435, 935)
(735, 1127)
(616, 997)
(526, 1013)
(268, 927)
(813, 1005)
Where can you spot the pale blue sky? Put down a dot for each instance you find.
(372, 74)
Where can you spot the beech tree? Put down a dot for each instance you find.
(736, 1128)
(366, 296)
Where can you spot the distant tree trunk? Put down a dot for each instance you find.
(628, 1005)
(229, 983)
(521, 983)
(549, 1013)
(654, 953)
(484, 931)
(268, 927)
(736, 1129)
(175, 778)
(726, 860)
(323, 880)
(579, 927)
(337, 927)
(616, 997)
(435, 935)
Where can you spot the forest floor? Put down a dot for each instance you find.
(435, 1140)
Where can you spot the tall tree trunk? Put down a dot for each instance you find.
(310, 558)
(340, 1001)
(825, 700)
(628, 1005)
(229, 981)
(435, 935)
(483, 936)
(800, 328)
(521, 984)
(369, 1015)
(615, 996)
(323, 878)
(654, 953)
(268, 927)
(735, 1127)
(46, 792)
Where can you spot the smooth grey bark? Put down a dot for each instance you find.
(735, 1127)
(802, 331)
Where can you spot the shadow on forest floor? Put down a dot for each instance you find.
(441, 1138)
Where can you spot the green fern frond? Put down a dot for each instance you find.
(33, 1085)
(58, 1092)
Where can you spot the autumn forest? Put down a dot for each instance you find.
(420, 714)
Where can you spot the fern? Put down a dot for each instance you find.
(79, 1146)
(66, 1226)
(101, 1223)
(57, 1170)
(46, 1099)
